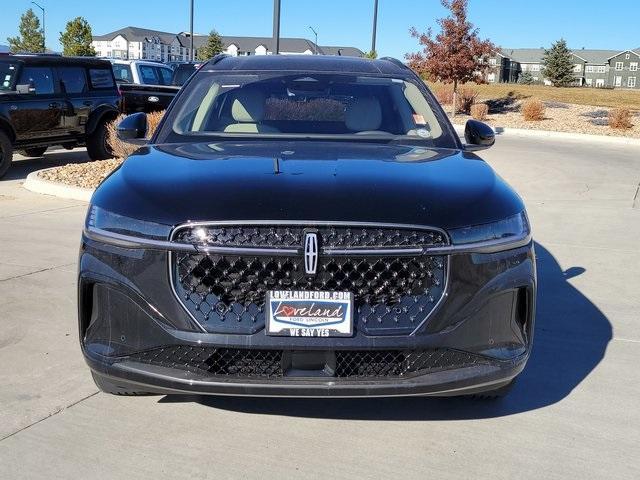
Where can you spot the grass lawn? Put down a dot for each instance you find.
(580, 96)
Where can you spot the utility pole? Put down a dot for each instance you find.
(276, 26)
(193, 55)
(316, 34)
(375, 25)
(44, 32)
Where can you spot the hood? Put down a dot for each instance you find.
(307, 181)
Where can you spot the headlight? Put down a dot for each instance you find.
(511, 228)
(101, 219)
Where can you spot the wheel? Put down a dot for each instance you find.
(33, 152)
(6, 153)
(97, 145)
(107, 386)
(500, 392)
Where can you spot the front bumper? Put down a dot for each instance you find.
(126, 307)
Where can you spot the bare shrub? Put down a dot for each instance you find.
(466, 97)
(479, 111)
(122, 149)
(533, 110)
(620, 118)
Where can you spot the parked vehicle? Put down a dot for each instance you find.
(48, 100)
(306, 226)
(183, 71)
(145, 86)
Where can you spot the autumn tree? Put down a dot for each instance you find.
(213, 47)
(76, 39)
(558, 65)
(371, 54)
(31, 38)
(456, 54)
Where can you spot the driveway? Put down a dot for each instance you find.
(573, 414)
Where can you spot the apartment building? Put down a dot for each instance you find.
(141, 43)
(591, 68)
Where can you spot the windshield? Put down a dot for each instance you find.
(7, 75)
(317, 104)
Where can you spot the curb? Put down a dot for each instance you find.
(521, 132)
(36, 184)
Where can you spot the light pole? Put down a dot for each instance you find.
(44, 32)
(276, 27)
(193, 55)
(316, 34)
(375, 26)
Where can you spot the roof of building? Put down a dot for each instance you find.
(309, 63)
(244, 44)
(137, 34)
(534, 55)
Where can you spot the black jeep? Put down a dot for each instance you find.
(53, 100)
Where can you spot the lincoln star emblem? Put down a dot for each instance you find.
(310, 253)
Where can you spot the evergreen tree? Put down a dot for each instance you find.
(558, 65)
(213, 47)
(31, 38)
(526, 78)
(76, 39)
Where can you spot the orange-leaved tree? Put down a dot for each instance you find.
(456, 54)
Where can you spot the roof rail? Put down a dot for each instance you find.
(396, 62)
(215, 59)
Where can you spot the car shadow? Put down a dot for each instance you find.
(571, 337)
(23, 166)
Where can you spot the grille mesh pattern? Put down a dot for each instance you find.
(282, 236)
(351, 364)
(226, 293)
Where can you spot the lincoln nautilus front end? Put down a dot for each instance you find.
(306, 227)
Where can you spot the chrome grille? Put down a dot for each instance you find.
(226, 293)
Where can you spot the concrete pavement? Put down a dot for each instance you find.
(574, 413)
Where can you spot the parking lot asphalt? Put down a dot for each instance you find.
(574, 413)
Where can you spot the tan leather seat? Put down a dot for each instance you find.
(247, 110)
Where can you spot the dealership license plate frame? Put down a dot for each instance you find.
(303, 326)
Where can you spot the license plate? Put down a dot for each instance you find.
(310, 314)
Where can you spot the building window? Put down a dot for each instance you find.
(589, 82)
(535, 68)
(633, 66)
(618, 81)
(627, 56)
(577, 68)
(492, 61)
(631, 82)
(589, 69)
(619, 66)
(599, 82)
(491, 78)
(601, 69)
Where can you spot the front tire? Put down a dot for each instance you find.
(6, 153)
(112, 388)
(33, 152)
(97, 145)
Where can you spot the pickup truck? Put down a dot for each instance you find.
(145, 86)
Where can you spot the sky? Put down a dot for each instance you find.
(508, 23)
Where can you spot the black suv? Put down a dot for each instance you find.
(52, 100)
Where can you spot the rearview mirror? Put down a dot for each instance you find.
(133, 127)
(26, 88)
(478, 135)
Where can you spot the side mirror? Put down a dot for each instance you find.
(27, 88)
(133, 127)
(478, 135)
